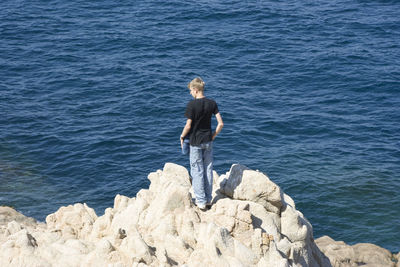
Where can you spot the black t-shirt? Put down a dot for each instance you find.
(200, 111)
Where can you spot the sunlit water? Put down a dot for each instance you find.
(92, 99)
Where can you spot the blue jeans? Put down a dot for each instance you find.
(201, 169)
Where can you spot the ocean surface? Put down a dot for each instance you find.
(93, 93)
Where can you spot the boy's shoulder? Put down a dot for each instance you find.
(190, 102)
(209, 100)
(212, 100)
(195, 102)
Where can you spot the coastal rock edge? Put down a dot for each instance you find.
(252, 222)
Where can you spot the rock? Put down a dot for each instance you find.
(25, 240)
(244, 254)
(373, 255)
(273, 258)
(13, 227)
(245, 184)
(338, 252)
(176, 249)
(104, 247)
(134, 246)
(121, 202)
(75, 221)
(8, 214)
(288, 201)
(101, 227)
(341, 254)
(177, 174)
(294, 226)
(251, 223)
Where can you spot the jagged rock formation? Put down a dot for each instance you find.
(251, 223)
(362, 254)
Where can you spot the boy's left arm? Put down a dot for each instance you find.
(186, 130)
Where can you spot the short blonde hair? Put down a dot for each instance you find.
(197, 83)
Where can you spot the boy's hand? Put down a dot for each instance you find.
(182, 141)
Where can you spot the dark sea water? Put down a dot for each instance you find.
(92, 99)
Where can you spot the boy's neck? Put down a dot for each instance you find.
(199, 95)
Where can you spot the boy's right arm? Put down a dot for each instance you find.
(219, 126)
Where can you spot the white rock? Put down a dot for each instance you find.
(104, 247)
(246, 184)
(102, 225)
(274, 258)
(288, 201)
(244, 254)
(176, 249)
(13, 227)
(294, 225)
(176, 173)
(254, 224)
(363, 254)
(25, 240)
(134, 246)
(77, 220)
(121, 202)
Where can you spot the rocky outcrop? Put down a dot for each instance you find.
(363, 254)
(251, 223)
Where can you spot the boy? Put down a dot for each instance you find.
(198, 129)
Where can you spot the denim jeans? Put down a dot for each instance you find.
(201, 169)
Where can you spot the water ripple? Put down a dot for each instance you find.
(92, 99)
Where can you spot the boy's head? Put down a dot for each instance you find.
(197, 84)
